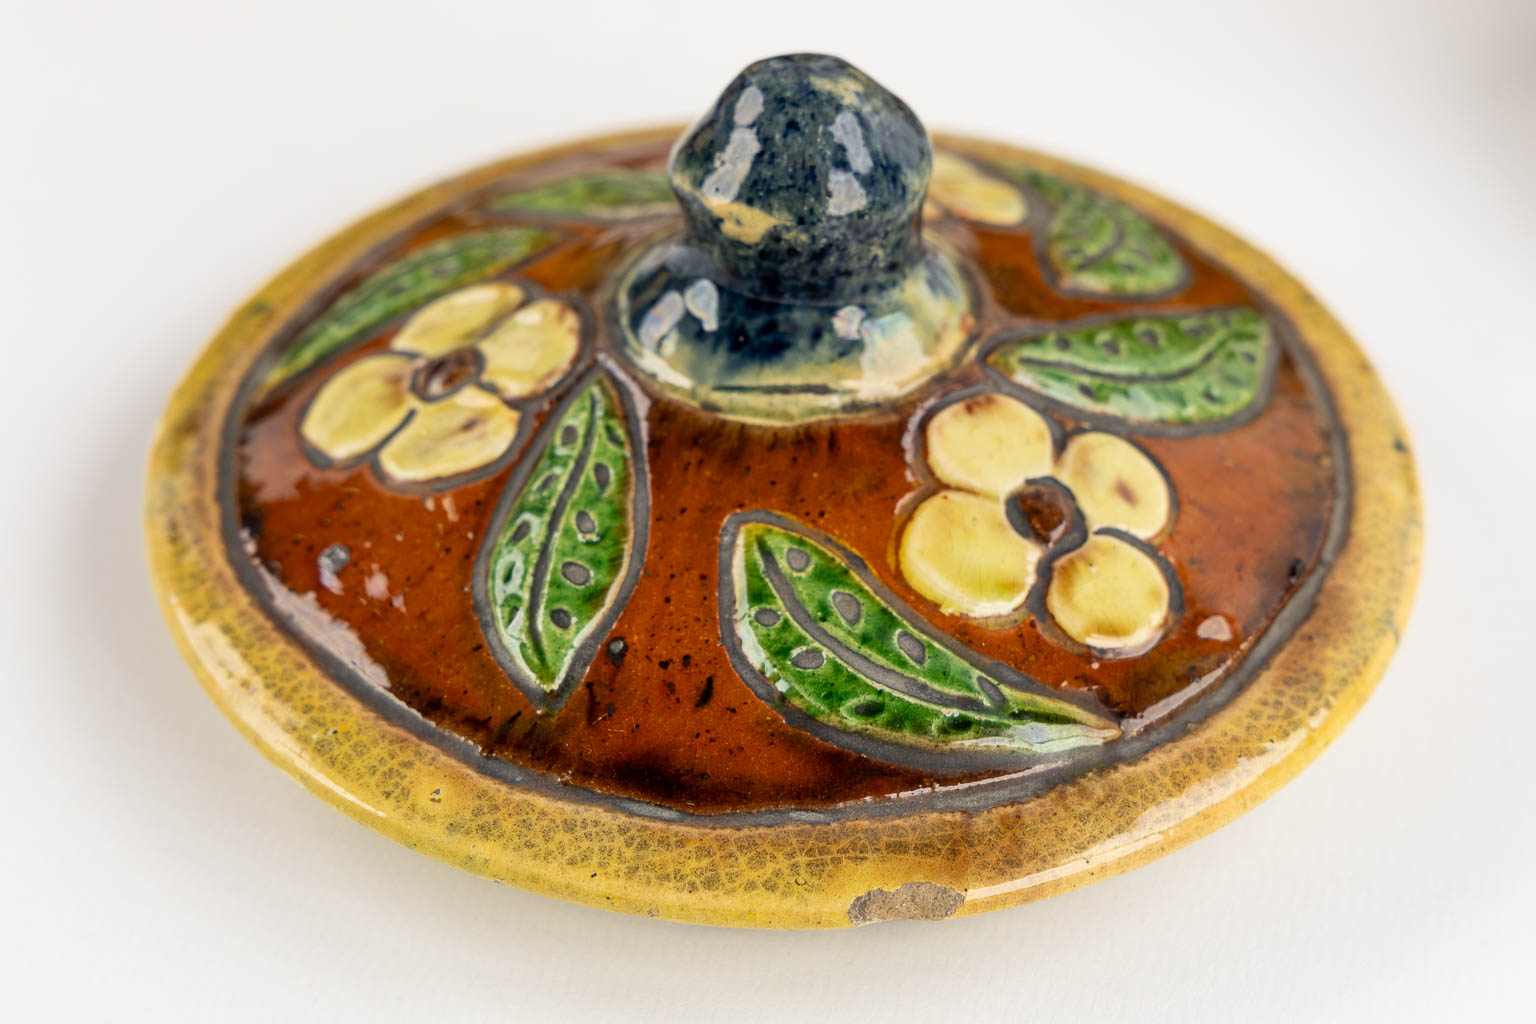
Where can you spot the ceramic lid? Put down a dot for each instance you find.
(787, 521)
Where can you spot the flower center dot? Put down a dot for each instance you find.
(1046, 509)
(440, 377)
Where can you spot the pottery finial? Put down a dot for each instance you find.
(805, 180)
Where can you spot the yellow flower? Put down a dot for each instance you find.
(973, 547)
(435, 405)
(961, 188)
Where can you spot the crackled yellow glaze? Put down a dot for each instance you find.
(791, 874)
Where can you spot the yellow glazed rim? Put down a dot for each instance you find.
(928, 864)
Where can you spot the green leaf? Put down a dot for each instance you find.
(561, 552)
(410, 282)
(614, 193)
(1199, 368)
(1100, 246)
(821, 639)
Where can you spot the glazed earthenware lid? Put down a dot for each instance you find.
(789, 521)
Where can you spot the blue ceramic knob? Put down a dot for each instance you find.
(801, 285)
(805, 180)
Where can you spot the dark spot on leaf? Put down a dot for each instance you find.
(798, 560)
(585, 523)
(847, 606)
(576, 574)
(869, 707)
(560, 617)
(808, 658)
(766, 617)
(912, 647)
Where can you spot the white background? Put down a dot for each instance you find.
(160, 160)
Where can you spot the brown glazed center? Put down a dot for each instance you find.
(662, 716)
(1041, 510)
